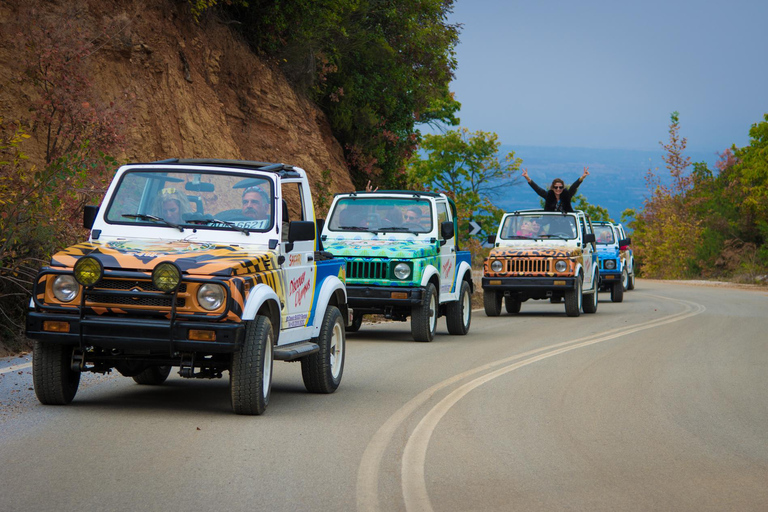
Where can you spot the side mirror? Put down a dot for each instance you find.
(301, 231)
(89, 215)
(625, 242)
(446, 230)
(491, 239)
(589, 238)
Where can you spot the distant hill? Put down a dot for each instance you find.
(616, 181)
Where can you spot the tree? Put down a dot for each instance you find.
(595, 212)
(466, 167)
(666, 230)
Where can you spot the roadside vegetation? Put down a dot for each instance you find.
(706, 223)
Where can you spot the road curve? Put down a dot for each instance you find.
(658, 402)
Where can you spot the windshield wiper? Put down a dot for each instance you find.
(142, 216)
(225, 222)
(561, 237)
(355, 228)
(392, 228)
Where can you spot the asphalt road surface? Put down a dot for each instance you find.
(656, 403)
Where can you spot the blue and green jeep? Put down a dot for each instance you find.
(402, 259)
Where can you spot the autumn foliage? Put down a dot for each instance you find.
(42, 198)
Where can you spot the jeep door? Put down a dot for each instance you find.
(589, 251)
(299, 264)
(447, 253)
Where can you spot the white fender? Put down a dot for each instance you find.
(427, 275)
(464, 268)
(260, 294)
(328, 288)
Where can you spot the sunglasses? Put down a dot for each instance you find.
(169, 190)
(557, 187)
(251, 201)
(411, 217)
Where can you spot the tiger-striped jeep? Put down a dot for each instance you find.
(542, 255)
(193, 264)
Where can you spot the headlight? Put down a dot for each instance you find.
(65, 288)
(210, 296)
(88, 271)
(497, 265)
(166, 276)
(610, 264)
(402, 271)
(561, 266)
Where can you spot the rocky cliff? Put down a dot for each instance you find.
(190, 89)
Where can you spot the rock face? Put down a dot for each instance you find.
(191, 90)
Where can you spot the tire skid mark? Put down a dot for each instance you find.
(414, 456)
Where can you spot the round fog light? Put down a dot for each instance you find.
(88, 271)
(166, 276)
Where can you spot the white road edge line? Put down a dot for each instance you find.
(14, 368)
(414, 456)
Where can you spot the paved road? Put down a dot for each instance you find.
(658, 403)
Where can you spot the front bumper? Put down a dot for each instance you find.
(374, 297)
(521, 284)
(136, 334)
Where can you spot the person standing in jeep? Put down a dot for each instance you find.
(557, 198)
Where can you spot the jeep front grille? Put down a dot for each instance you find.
(528, 265)
(131, 292)
(370, 269)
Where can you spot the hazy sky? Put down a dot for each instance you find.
(607, 74)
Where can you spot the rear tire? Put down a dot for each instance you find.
(55, 382)
(357, 321)
(250, 377)
(512, 305)
(424, 316)
(153, 376)
(492, 302)
(322, 370)
(459, 313)
(589, 300)
(573, 299)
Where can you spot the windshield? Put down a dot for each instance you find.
(187, 199)
(604, 235)
(524, 226)
(381, 214)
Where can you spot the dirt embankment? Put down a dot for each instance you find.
(191, 90)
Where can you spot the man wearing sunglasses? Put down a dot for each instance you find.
(557, 198)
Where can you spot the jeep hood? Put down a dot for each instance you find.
(536, 252)
(400, 249)
(191, 257)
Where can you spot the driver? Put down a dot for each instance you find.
(413, 216)
(255, 203)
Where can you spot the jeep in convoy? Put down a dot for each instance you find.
(542, 255)
(627, 254)
(614, 268)
(402, 259)
(193, 264)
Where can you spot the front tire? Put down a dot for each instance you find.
(573, 299)
(492, 302)
(54, 381)
(250, 377)
(459, 313)
(424, 316)
(322, 370)
(153, 376)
